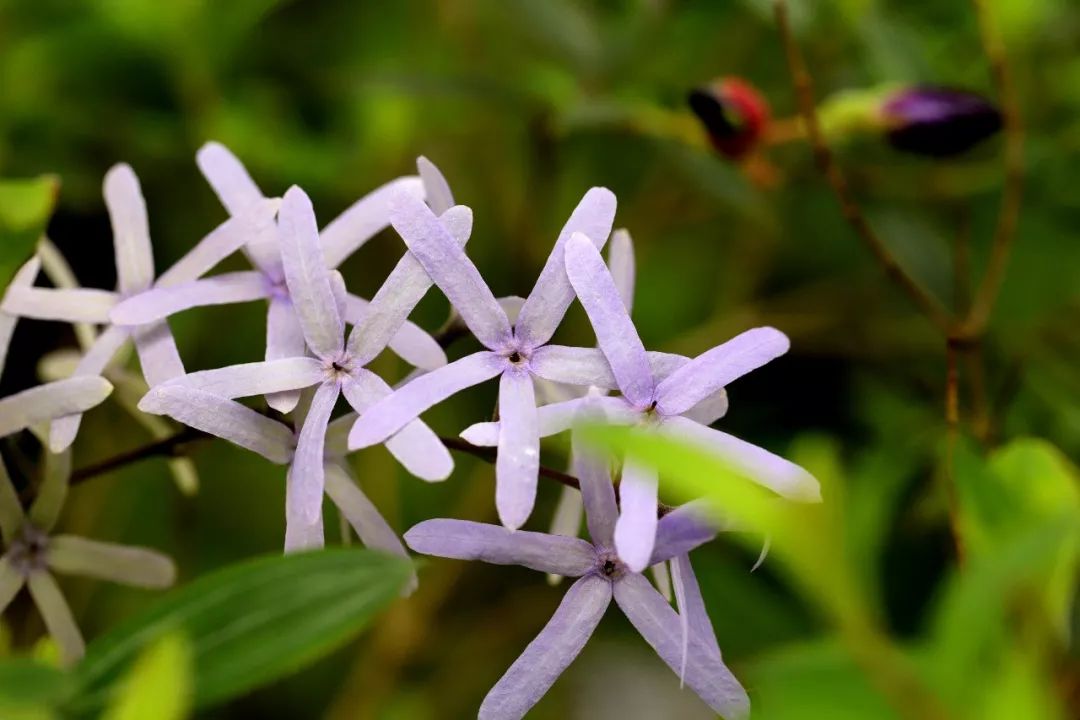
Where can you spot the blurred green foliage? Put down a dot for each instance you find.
(524, 105)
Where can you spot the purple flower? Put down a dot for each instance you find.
(337, 367)
(938, 121)
(154, 342)
(516, 352)
(674, 395)
(62, 399)
(32, 554)
(348, 232)
(686, 643)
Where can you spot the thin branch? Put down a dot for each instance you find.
(171, 446)
(1012, 193)
(804, 90)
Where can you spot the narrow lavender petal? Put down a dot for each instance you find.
(223, 418)
(60, 274)
(11, 581)
(569, 512)
(159, 302)
(660, 626)
(763, 467)
(551, 420)
(712, 370)
(363, 220)
(436, 190)
(223, 241)
(551, 652)
(131, 229)
(572, 365)
(411, 342)
(517, 465)
(614, 330)
(466, 540)
(257, 378)
(50, 401)
(377, 324)
(682, 530)
(446, 264)
(52, 492)
(64, 429)
(341, 293)
(158, 355)
(57, 616)
(392, 413)
(11, 512)
(308, 277)
(552, 294)
(284, 339)
(597, 494)
(140, 567)
(66, 305)
(415, 446)
(24, 277)
(635, 531)
(622, 266)
(709, 410)
(302, 532)
(306, 491)
(692, 605)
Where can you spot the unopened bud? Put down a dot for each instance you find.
(938, 121)
(734, 114)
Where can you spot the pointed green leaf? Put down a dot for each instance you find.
(25, 209)
(159, 684)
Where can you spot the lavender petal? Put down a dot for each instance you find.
(75, 305)
(284, 339)
(306, 489)
(159, 303)
(131, 229)
(257, 378)
(50, 401)
(635, 531)
(517, 464)
(363, 220)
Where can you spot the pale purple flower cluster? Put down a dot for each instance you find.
(310, 363)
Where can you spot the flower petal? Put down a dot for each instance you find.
(257, 378)
(446, 264)
(159, 303)
(621, 264)
(681, 530)
(597, 493)
(64, 429)
(308, 277)
(131, 229)
(411, 343)
(660, 626)
(569, 512)
(302, 532)
(692, 605)
(68, 305)
(517, 464)
(614, 330)
(436, 189)
(230, 180)
(415, 446)
(222, 418)
(712, 370)
(24, 277)
(466, 540)
(57, 616)
(284, 339)
(11, 512)
(392, 413)
(552, 294)
(11, 581)
(763, 467)
(635, 531)
(50, 401)
(552, 419)
(709, 410)
(136, 566)
(306, 490)
(363, 220)
(551, 652)
(572, 365)
(52, 492)
(158, 355)
(383, 318)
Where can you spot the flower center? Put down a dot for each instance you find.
(28, 550)
(609, 566)
(339, 367)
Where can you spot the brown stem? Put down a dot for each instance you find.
(804, 90)
(1012, 194)
(166, 447)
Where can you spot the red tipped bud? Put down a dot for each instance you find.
(734, 114)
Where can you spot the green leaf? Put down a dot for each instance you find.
(25, 209)
(159, 684)
(253, 622)
(29, 689)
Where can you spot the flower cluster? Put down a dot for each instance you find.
(311, 362)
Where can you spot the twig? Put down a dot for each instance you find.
(166, 447)
(1012, 194)
(804, 90)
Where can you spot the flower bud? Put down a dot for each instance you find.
(938, 121)
(734, 114)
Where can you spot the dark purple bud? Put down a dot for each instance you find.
(938, 121)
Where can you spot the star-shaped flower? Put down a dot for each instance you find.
(516, 352)
(337, 368)
(340, 238)
(686, 643)
(154, 342)
(32, 554)
(45, 403)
